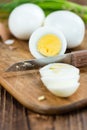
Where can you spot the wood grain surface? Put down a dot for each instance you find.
(27, 87)
(13, 116)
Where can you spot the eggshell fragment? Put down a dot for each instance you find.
(9, 41)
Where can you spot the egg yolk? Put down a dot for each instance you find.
(49, 45)
(56, 68)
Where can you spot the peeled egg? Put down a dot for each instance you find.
(60, 79)
(25, 19)
(70, 24)
(47, 42)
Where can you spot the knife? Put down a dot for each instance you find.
(77, 58)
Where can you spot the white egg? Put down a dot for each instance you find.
(59, 70)
(47, 42)
(60, 79)
(70, 24)
(25, 19)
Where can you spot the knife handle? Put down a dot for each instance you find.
(79, 58)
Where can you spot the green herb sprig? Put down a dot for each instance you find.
(47, 5)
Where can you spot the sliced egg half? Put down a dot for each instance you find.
(59, 70)
(47, 42)
(60, 79)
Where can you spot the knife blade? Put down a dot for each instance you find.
(78, 59)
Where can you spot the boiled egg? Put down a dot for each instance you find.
(60, 79)
(47, 42)
(70, 24)
(25, 19)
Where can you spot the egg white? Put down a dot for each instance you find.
(60, 80)
(63, 70)
(64, 91)
(41, 32)
(62, 88)
(54, 82)
(70, 24)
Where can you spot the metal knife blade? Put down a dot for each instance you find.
(37, 63)
(77, 58)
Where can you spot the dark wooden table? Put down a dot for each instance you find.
(13, 116)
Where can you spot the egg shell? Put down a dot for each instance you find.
(70, 24)
(25, 19)
(41, 32)
(63, 70)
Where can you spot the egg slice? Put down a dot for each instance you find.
(47, 42)
(63, 91)
(60, 70)
(70, 24)
(60, 79)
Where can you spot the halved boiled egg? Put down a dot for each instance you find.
(47, 42)
(59, 70)
(60, 79)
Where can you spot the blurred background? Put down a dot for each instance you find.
(80, 1)
(77, 1)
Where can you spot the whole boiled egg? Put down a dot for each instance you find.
(70, 24)
(47, 42)
(25, 19)
(60, 79)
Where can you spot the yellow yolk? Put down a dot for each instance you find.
(49, 45)
(56, 68)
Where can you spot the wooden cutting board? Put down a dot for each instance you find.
(27, 87)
